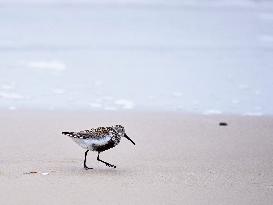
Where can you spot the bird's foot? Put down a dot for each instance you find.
(86, 167)
(110, 165)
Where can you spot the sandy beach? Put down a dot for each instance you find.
(71, 65)
(178, 159)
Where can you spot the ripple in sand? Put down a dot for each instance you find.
(191, 179)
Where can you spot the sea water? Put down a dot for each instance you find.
(208, 57)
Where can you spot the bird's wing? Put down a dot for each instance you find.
(80, 135)
(92, 133)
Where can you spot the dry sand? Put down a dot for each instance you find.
(178, 159)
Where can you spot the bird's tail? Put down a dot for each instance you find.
(68, 133)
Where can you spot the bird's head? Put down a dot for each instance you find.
(121, 132)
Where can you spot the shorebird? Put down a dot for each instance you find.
(98, 140)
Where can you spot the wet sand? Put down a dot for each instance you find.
(178, 159)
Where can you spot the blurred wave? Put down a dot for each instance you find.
(201, 56)
(134, 4)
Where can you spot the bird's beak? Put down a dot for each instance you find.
(128, 138)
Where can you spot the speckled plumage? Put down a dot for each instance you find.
(99, 139)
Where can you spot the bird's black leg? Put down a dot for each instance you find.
(106, 163)
(84, 164)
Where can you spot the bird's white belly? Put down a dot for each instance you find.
(90, 143)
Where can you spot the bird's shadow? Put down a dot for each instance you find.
(97, 171)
